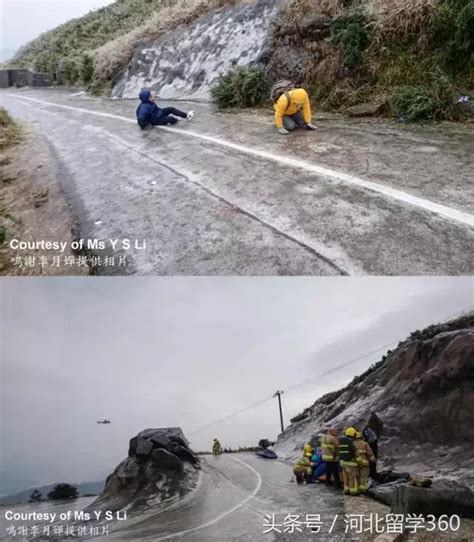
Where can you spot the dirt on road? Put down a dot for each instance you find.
(33, 209)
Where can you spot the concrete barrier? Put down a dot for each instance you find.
(23, 78)
(444, 497)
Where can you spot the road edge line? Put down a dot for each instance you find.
(230, 511)
(399, 195)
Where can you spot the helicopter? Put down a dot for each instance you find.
(104, 421)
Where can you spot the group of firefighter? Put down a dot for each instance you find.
(347, 461)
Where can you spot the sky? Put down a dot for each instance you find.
(24, 20)
(184, 352)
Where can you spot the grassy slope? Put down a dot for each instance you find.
(10, 131)
(91, 50)
(416, 56)
(87, 33)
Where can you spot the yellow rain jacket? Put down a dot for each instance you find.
(299, 100)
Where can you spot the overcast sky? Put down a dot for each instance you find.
(184, 352)
(24, 20)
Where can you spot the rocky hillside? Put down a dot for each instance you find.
(186, 64)
(409, 58)
(160, 467)
(419, 398)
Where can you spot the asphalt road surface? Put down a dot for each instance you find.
(238, 495)
(225, 194)
(239, 498)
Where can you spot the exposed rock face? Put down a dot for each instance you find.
(420, 399)
(160, 466)
(185, 62)
(365, 110)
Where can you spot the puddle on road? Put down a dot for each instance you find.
(428, 149)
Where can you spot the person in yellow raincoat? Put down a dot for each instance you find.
(292, 108)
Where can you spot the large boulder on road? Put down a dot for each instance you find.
(160, 465)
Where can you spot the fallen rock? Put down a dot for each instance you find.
(384, 493)
(365, 110)
(166, 460)
(160, 465)
(144, 447)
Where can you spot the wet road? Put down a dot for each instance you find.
(235, 494)
(235, 501)
(225, 194)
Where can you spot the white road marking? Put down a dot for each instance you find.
(436, 208)
(230, 511)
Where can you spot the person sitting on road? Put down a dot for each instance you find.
(149, 114)
(292, 107)
(319, 466)
(303, 469)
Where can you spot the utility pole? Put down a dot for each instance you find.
(278, 394)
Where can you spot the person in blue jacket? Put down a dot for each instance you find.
(319, 466)
(149, 114)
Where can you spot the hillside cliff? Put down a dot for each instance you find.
(419, 398)
(409, 58)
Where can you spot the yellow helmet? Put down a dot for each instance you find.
(350, 432)
(307, 454)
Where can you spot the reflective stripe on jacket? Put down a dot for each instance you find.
(329, 445)
(347, 452)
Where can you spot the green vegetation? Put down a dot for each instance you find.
(36, 496)
(351, 35)
(65, 44)
(10, 131)
(423, 102)
(62, 492)
(415, 58)
(241, 87)
(93, 49)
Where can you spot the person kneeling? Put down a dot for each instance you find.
(149, 114)
(292, 107)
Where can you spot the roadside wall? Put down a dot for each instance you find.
(23, 78)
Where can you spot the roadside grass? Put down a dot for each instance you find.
(92, 50)
(241, 87)
(414, 57)
(10, 131)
